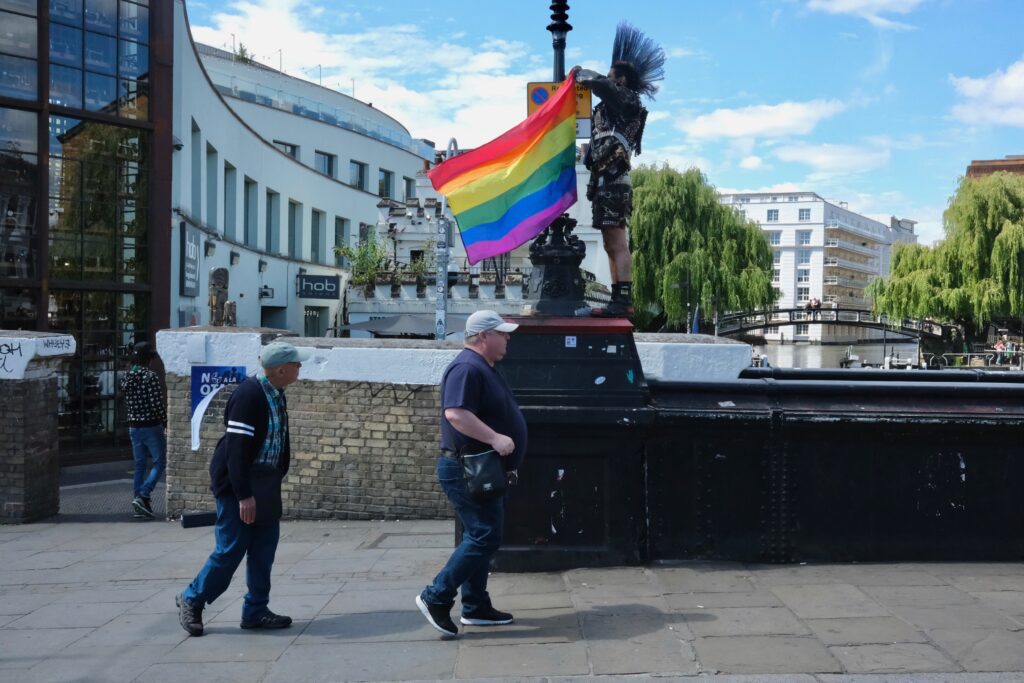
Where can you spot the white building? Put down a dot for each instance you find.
(270, 173)
(822, 251)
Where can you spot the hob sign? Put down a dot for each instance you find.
(318, 287)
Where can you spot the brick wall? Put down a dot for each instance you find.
(29, 467)
(360, 450)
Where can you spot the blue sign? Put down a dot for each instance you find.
(207, 379)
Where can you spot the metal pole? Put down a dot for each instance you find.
(441, 279)
(559, 28)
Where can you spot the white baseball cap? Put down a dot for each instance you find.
(482, 321)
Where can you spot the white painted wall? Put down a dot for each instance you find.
(337, 359)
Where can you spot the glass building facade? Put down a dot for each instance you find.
(78, 239)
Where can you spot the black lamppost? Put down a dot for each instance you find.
(556, 283)
(559, 28)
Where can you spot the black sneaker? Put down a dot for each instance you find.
(143, 508)
(486, 617)
(189, 615)
(267, 620)
(439, 617)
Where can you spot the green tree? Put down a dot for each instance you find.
(974, 275)
(243, 54)
(367, 261)
(681, 233)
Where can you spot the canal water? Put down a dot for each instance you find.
(828, 356)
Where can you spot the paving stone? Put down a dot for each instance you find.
(136, 629)
(528, 659)
(919, 596)
(639, 645)
(23, 648)
(228, 643)
(885, 575)
(983, 583)
(298, 607)
(616, 576)
(983, 649)
(864, 631)
(52, 559)
(368, 628)
(764, 655)
(828, 601)
(799, 575)
(334, 662)
(71, 615)
(596, 603)
(370, 600)
(530, 626)
(963, 616)
(687, 580)
(1007, 602)
(23, 603)
(691, 601)
(91, 664)
(207, 672)
(893, 658)
(530, 601)
(526, 584)
(744, 621)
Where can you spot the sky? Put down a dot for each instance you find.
(879, 103)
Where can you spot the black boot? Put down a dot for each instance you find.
(621, 305)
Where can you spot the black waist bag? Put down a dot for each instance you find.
(265, 481)
(485, 475)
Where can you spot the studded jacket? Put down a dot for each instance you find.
(144, 398)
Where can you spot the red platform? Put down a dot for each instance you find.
(542, 324)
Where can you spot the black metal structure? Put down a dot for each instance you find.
(740, 323)
(556, 282)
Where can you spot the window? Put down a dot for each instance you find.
(18, 51)
(294, 229)
(325, 163)
(803, 276)
(212, 166)
(288, 148)
(805, 214)
(773, 215)
(250, 212)
(776, 275)
(318, 237)
(357, 175)
(385, 183)
(342, 235)
(792, 198)
(365, 230)
(803, 257)
(803, 330)
(803, 237)
(776, 257)
(273, 223)
(230, 188)
(410, 188)
(742, 214)
(803, 295)
(774, 238)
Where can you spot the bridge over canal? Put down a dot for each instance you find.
(740, 323)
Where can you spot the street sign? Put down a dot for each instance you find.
(540, 92)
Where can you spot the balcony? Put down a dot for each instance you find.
(844, 282)
(834, 262)
(862, 249)
(836, 224)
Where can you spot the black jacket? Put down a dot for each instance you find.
(144, 398)
(247, 412)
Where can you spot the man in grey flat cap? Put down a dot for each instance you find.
(478, 413)
(248, 465)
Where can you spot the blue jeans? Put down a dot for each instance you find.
(148, 443)
(235, 539)
(467, 568)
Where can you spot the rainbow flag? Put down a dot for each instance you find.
(506, 192)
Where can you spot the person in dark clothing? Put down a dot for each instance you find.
(255, 440)
(616, 132)
(147, 423)
(478, 412)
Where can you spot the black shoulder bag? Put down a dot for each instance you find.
(485, 475)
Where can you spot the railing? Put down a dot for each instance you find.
(737, 323)
(834, 262)
(864, 249)
(836, 224)
(843, 281)
(250, 91)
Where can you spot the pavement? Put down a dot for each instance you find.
(89, 596)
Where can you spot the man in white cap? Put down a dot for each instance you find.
(478, 413)
(248, 465)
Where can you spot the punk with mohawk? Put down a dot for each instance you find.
(638, 63)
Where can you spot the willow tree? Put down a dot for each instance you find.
(690, 249)
(976, 274)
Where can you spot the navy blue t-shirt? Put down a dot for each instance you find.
(470, 383)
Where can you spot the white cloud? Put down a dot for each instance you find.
(869, 10)
(751, 162)
(786, 118)
(679, 157)
(997, 98)
(777, 187)
(658, 116)
(834, 159)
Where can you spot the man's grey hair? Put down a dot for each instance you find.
(471, 339)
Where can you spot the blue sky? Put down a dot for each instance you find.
(880, 103)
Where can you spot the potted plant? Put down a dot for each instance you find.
(367, 262)
(422, 266)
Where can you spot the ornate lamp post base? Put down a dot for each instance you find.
(556, 283)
